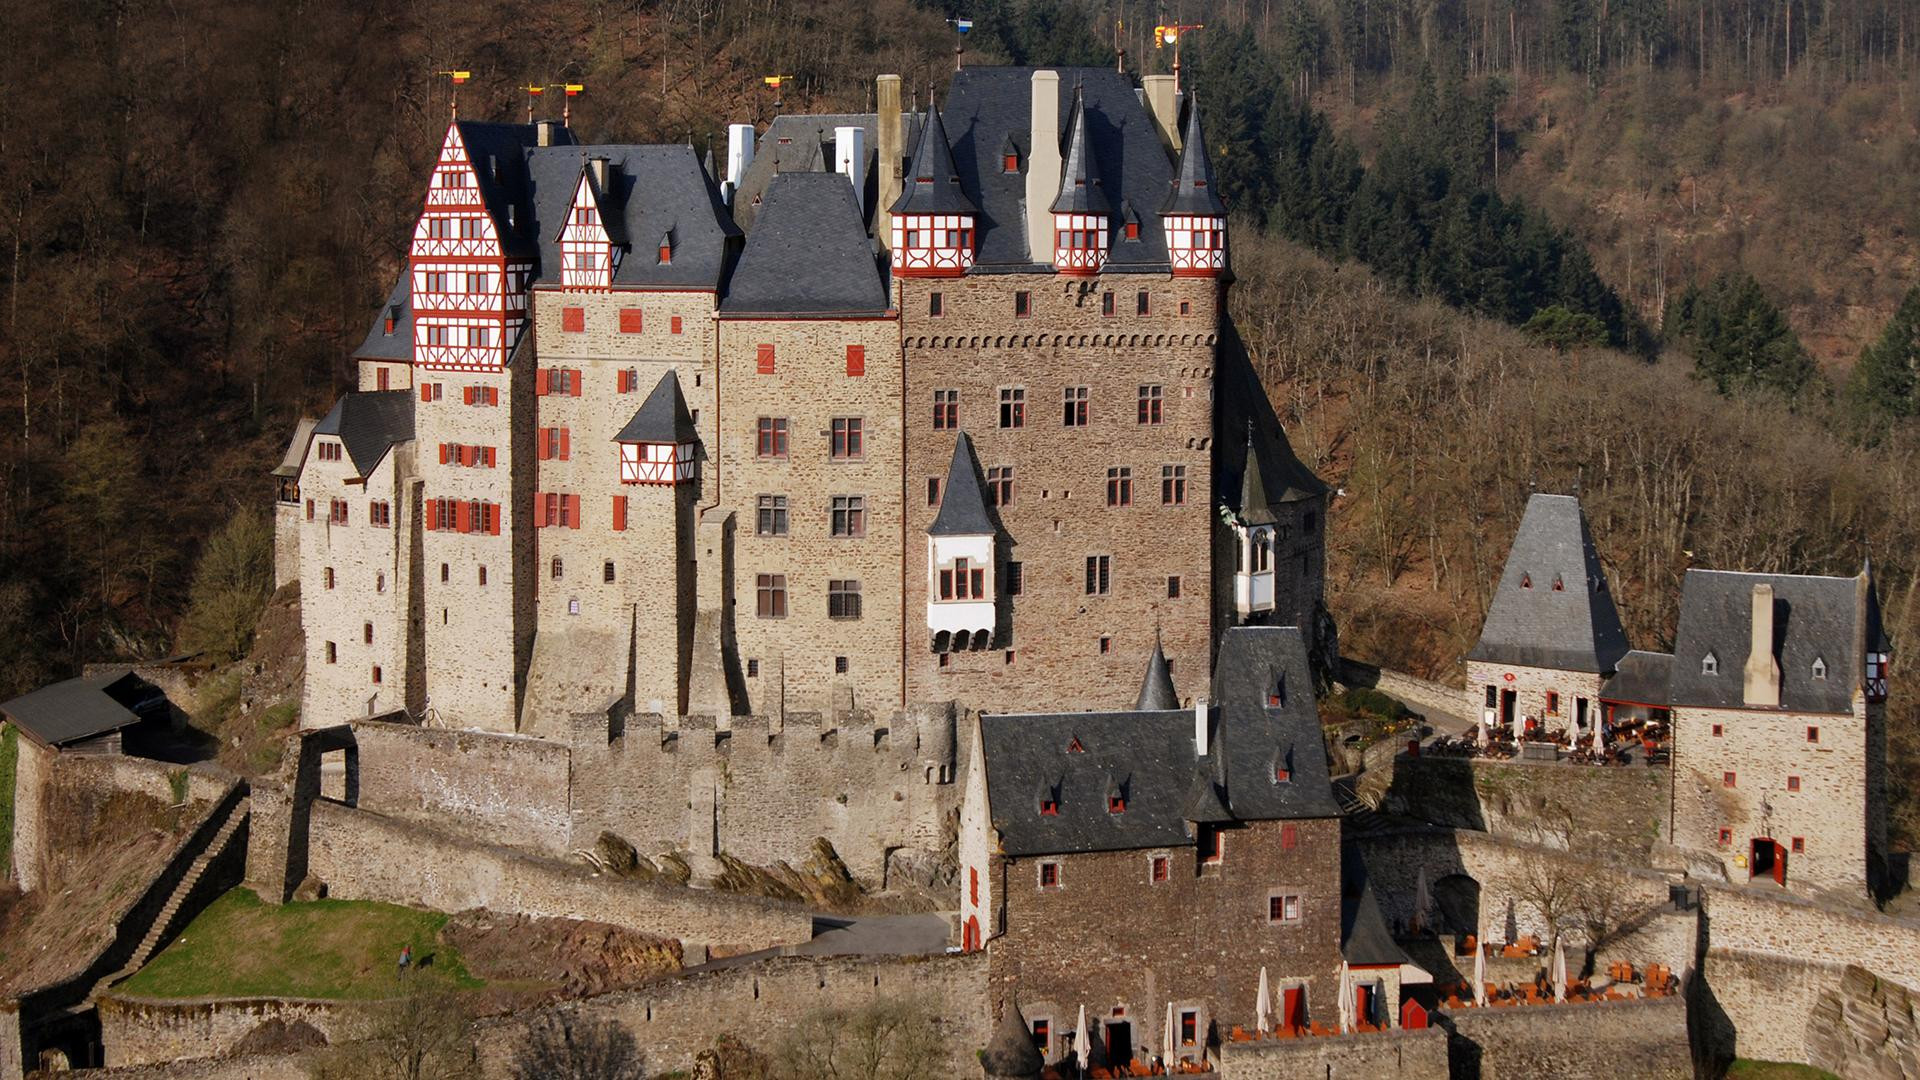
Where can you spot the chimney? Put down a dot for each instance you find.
(1762, 675)
(1164, 104)
(1200, 726)
(850, 161)
(543, 132)
(1043, 165)
(602, 171)
(888, 150)
(739, 157)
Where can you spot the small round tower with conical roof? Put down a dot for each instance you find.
(1011, 1055)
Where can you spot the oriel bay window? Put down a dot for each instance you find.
(964, 580)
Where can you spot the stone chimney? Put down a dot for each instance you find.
(1200, 746)
(544, 131)
(1043, 165)
(739, 157)
(602, 170)
(850, 160)
(1164, 104)
(1762, 675)
(889, 145)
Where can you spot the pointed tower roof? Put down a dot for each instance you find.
(1553, 608)
(1080, 190)
(1254, 508)
(1193, 188)
(963, 506)
(933, 184)
(1876, 630)
(1011, 1054)
(1206, 805)
(1271, 475)
(662, 418)
(1156, 690)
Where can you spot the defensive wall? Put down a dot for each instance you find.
(507, 788)
(1612, 812)
(1399, 1054)
(1420, 695)
(1646, 1040)
(249, 1067)
(154, 1031)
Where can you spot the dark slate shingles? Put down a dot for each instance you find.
(1812, 617)
(1194, 191)
(1256, 664)
(963, 505)
(931, 185)
(1156, 688)
(808, 254)
(1532, 624)
(662, 418)
(397, 344)
(1643, 678)
(1081, 191)
(654, 191)
(75, 709)
(368, 423)
(500, 173)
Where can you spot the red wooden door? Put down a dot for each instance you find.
(1412, 1016)
(1293, 1007)
(1779, 863)
(1363, 1005)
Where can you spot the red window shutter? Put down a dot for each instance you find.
(540, 382)
(619, 513)
(545, 444)
(462, 517)
(630, 320)
(493, 519)
(489, 457)
(566, 443)
(466, 395)
(856, 359)
(676, 324)
(573, 319)
(573, 504)
(766, 360)
(433, 515)
(574, 383)
(443, 453)
(539, 510)
(426, 392)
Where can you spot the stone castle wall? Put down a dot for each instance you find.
(362, 855)
(1646, 1040)
(146, 1031)
(1400, 1054)
(1572, 690)
(506, 789)
(1605, 812)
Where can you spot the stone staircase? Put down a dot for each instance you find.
(157, 934)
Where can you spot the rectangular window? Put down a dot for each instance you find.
(1813, 734)
(1173, 587)
(328, 577)
(573, 320)
(1073, 406)
(1022, 304)
(933, 491)
(1042, 1029)
(337, 511)
(1173, 485)
(1283, 908)
(1150, 402)
(1189, 1027)
(1799, 845)
(1158, 868)
(376, 674)
(631, 320)
(847, 439)
(1106, 304)
(366, 633)
(1000, 485)
(674, 324)
(840, 665)
(771, 518)
(1553, 702)
(1213, 844)
(936, 307)
(849, 516)
(770, 596)
(1099, 569)
(1106, 645)
(843, 599)
(1718, 731)
(309, 509)
(963, 581)
(606, 573)
(1793, 783)
(1049, 875)
(946, 409)
(1120, 486)
(764, 361)
(1014, 578)
(1186, 307)
(333, 652)
(1013, 406)
(380, 514)
(1727, 779)
(772, 440)
(1142, 304)
(1726, 837)
(856, 360)
(1289, 834)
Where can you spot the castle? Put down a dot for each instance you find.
(956, 417)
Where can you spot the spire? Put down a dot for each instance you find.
(933, 184)
(1254, 509)
(963, 505)
(1156, 690)
(1284, 478)
(1193, 190)
(1080, 190)
(1011, 1054)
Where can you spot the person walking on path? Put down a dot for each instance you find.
(406, 958)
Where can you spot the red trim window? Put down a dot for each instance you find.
(848, 438)
(1799, 845)
(1213, 844)
(1718, 731)
(1120, 486)
(1133, 230)
(1000, 485)
(963, 581)
(1151, 398)
(309, 509)
(337, 511)
(764, 360)
(1283, 908)
(771, 437)
(1553, 702)
(1728, 779)
(673, 324)
(946, 410)
(631, 320)
(380, 514)
(1289, 837)
(1813, 734)
(856, 360)
(1049, 875)
(1157, 869)
(573, 320)
(1726, 837)
(1022, 303)
(973, 885)
(1793, 783)
(1173, 485)
(1116, 804)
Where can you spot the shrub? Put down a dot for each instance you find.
(230, 586)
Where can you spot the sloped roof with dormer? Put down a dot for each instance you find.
(808, 254)
(1814, 618)
(651, 191)
(931, 185)
(397, 343)
(496, 154)
(963, 504)
(368, 423)
(805, 143)
(663, 417)
(1552, 608)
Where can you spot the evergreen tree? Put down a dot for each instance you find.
(1881, 390)
(1738, 338)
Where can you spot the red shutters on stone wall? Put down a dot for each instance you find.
(766, 360)
(540, 382)
(856, 360)
(630, 320)
(573, 320)
(619, 513)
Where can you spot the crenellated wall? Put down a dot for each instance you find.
(1646, 1040)
(507, 789)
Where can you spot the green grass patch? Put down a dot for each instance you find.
(1744, 1069)
(9, 763)
(242, 947)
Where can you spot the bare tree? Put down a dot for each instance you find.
(886, 1040)
(419, 1035)
(559, 1047)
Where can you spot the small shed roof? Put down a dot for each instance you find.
(76, 709)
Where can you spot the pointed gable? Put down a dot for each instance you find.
(369, 423)
(933, 184)
(963, 505)
(808, 253)
(1193, 190)
(1552, 608)
(1080, 189)
(662, 418)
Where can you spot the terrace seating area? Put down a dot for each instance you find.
(1622, 982)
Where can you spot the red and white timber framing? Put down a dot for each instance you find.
(587, 258)
(1079, 243)
(932, 245)
(1198, 245)
(469, 300)
(656, 463)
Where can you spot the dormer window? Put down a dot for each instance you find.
(1074, 747)
(1283, 768)
(1558, 585)
(1526, 580)
(1819, 667)
(1116, 804)
(1277, 692)
(1133, 230)
(1010, 163)
(1709, 665)
(1050, 807)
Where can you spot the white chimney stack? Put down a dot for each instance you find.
(850, 160)
(1043, 165)
(1200, 726)
(1762, 674)
(739, 158)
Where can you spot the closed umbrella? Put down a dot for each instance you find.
(1081, 1047)
(1262, 1013)
(1346, 997)
(1480, 970)
(1172, 1038)
(1599, 737)
(1559, 970)
(1421, 901)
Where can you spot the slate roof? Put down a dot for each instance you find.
(495, 152)
(809, 147)
(963, 505)
(1148, 757)
(931, 185)
(1081, 191)
(808, 255)
(296, 454)
(1193, 190)
(398, 345)
(1365, 938)
(368, 423)
(1531, 623)
(1250, 434)
(987, 106)
(663, 417)
(1011, 1052)
(1156, 689)
(1812, 617)
(76, 709)
(653, 191)
(1642, 678)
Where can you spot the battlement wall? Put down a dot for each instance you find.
(506, 788)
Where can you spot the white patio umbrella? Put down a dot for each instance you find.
(1599, 736)
(1262, 1012)
(1082, 1049)
(1172, 1038)
(1422, 900)
(1480, 732)
(1346, 997)
(1559, 971)
(1480, 969)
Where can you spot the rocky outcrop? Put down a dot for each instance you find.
(1867, 1029)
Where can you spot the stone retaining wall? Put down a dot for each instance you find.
(1400, 1054)
(1646, 1040)
(1420, 695)
(252, 1067)
(367, 856)
(1616, 813)
(147, 1031)
(506, 788)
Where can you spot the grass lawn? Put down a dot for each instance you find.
(240, 947)
(9, 760)
(1775, 1070)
